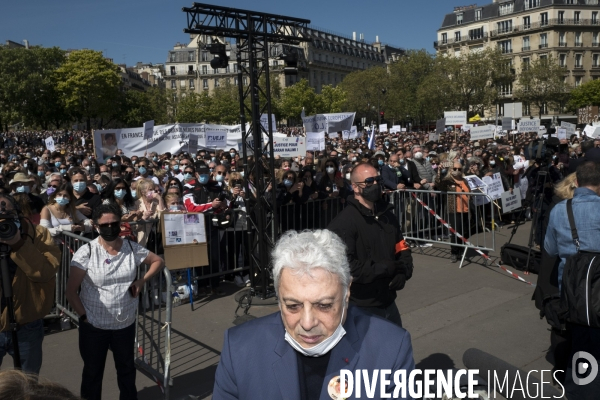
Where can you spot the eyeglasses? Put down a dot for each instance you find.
(184, 164)
(188, 172)
(221, 173)
(174, 186)
(456, 169)
(371, 180)
(109, 225)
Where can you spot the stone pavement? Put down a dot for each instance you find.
(446, 309)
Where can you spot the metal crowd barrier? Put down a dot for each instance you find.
(420, 225)
(153, 329)
(314, 214)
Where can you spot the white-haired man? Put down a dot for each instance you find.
(298, 352)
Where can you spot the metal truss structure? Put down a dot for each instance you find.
(253, 32)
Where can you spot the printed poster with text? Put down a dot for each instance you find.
(184, 228)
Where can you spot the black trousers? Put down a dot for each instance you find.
(93, 347)
(460, 222)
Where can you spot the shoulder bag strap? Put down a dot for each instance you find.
(574, 234)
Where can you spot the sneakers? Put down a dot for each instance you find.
(453, 258)
(239, 282)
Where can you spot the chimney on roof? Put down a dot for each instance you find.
(26, 43)
(377, 39)
(354, 36)
(362, 37)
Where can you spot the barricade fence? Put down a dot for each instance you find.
(153, 328)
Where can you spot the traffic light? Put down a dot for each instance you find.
(221, 60)
(382, 114)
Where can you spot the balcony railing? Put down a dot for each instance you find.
(543, 45)
(595, 44)
(544, 24)
(525, 48)
(578, 66)
(562, 44)
(465, 39)
(506, 51)
(578, 44)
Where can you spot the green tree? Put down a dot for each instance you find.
(225, 105)
(587, 94)
(193, 108)
(331, 99)
(89, 84)
(542, 84)
(364, 92)
(295, 97)
(158, 101)
(138, 109)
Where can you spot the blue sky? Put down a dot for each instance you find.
(144, 30)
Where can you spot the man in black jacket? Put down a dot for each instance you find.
(380, 260)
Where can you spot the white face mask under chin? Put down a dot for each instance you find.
(322, 348)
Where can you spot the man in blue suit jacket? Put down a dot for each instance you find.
(298, 353)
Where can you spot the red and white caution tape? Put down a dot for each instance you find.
(452, 230)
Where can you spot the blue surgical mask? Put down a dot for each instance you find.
(63, 171)
(120, 193)
(115, 164)
(41, 174)
(63, 201)
(166, 167)
(402, 161)
(232, 155)
(187, 176)
(99, 187)
(57, 164)
(242, 173)
(213, 159)
(50, 191)
(142, 170)
(154, 158)
(79, 187)
(288, 183)
(220, 178)
(176, 167)
(380, 162)
(173, 208)
(23, 189)
(204, 179)
(133, 194)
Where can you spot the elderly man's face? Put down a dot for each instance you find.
(311, 305)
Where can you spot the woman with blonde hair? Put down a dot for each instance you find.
(151, 204)
(61, 215)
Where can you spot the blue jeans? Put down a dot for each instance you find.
(30, 338)
(93, 347)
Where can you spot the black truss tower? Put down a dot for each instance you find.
(253, 32)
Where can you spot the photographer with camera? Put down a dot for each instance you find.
(29, 261)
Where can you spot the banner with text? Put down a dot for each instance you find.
(336, 122)
(455, 117)
(315, 141)
(529, 125)
(289, 147)
(569, 127)
(383, 128)
(482, 132)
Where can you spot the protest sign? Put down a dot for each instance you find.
(50, 144)
(587, 115)
(395, 129)
(494, 186)
(215, 140)
(289, 147)
(529, 125)
(403, 129)
(353, 132)
(383, 128)
(482, 132)
(434, 136)
(513, 110)
(316, 140)
(511, 202)
(455, 117)
(561, 133)
(83, 141)
(264, 121)
(475, 183)
(148, 129)
(440, 125)
(592, 131)
(335, 122)
(507, 124)
(569, 127)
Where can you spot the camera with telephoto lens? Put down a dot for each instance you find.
(8, 224)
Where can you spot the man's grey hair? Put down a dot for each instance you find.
(54, 175)
(305, 251)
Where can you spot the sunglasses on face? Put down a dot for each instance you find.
(456, 169)
(371, 180)
(187, 172)
(183, 164)
(220, 173)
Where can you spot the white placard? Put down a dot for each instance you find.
(467, 127)
(522, 185)
(569, 127)
(216, 139)
(434, 136)
(403, 130)
(561, 133)
(482, 132)
(50, 143)
(592, 131)
(494, 185)
(316, 140)
(383, 128)
(455, 117)
(249, 149)
(264, 121)
(475, 183)
(395, 129)
(289, 147)
(335, 122)
(148, 129)
(511, 202)
(529, 125)
(83, 141)
(353, 132)
(184, 228)
(513, 110)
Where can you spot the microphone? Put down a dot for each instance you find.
(488, 364)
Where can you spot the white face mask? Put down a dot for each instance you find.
(348, 176)
(322, 348)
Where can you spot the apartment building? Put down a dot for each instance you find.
(525, 30)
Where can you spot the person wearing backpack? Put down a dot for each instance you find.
(576, 273)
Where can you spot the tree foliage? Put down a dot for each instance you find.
(295, 97)
(587, 94)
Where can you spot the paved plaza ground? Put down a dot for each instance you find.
(446, 310)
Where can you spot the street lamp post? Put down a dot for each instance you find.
(383, 91)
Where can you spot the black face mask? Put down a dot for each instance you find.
(372, 193)
(128, 176)
(109, 233)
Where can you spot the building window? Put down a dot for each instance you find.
(235, 80)
(577, 81)
(205, 83)
(578, 61)
(596, 60)
(172, 70)
(562, 60)
(215, 71)
(475, 34)
(595, 17)
(191, 56)
(505, 46)
(562, 42)
(172, 56)
(235, 68)
(544, 19)
(526, 108)
(245, 81)
(526, 45)
(478, 14)
(217, 83)
(569, 1)
(525, 64)
(505, 90)
(578, 42)
(444, 38)
(204, 70)
(459, 19)
(182, 83)
(190, 69)
(595, 39)
(543, 40)
(227, 69)
(576, 16)
(506, 8)
(191, 84)
(457, 36)
(532, 4)
(505, 26)
(204, 56)
(561, 17)
(591, 2)
(543, 56)
(173, 84)
(526, 22)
